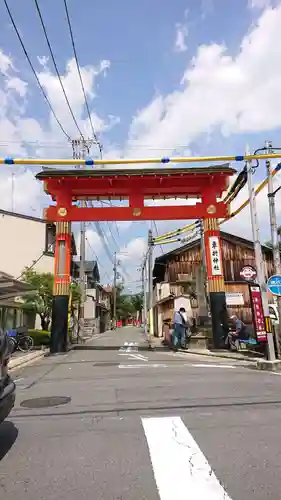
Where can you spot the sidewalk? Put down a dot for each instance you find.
(24, 359)
(222, 353)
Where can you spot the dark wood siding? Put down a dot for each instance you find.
(235, 255)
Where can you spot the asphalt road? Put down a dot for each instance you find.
(140, 425)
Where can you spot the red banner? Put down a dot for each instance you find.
(257, 311)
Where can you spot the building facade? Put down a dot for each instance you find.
(97, 307)
(181, 272)
(26, 242)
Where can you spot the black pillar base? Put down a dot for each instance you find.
(219, 319)
(59, 324)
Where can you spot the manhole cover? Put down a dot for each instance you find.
(45, 402)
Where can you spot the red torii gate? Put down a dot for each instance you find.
(135, 186)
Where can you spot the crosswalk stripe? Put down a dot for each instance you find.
(180, 468)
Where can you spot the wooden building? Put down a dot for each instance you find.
(182, 271)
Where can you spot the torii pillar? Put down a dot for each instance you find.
(61, 288)
(215, 281)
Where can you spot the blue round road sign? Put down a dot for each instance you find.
(274, 284)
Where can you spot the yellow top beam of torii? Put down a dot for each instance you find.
(122, 161)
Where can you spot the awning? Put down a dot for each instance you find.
(11, 288)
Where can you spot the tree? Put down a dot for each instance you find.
(269, 244)
(41, 300)
(137, 302)
(75, 291)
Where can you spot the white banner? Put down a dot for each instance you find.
(234, 299)
(215, 255)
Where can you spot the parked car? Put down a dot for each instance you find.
(7, 386)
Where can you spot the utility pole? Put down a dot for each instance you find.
(144, 288)
(114, 290)
(150, 288)
(274, 237)
(80, 149)
(204, 272)
(258, 255)
(13, 192)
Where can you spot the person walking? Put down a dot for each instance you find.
(180, 324)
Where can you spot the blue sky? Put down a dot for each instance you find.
(191, 77)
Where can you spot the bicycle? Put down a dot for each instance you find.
(20, 341)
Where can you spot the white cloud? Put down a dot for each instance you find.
(22, 192)
(259, 4)
(74, 93)
(218, 91)
(93, 243)
(23, 135)
(18, 85)
(241, 224)
(43, 60)
(181, 35)
(134, 250)
(5, 62)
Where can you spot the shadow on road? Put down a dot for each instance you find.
(85, 347)
(141, 408)
(8, 436)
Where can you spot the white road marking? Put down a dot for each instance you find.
(129, 346)
(138, 356)
(142, 366)
(172, 447)
(210, 365)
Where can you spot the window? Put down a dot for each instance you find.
(50, 239)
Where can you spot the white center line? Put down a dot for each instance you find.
(142, 366)
(211, 365)
(171, 446)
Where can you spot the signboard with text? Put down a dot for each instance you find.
(234, 299)
(274, 285)
(248, 273)
(215, 256)
(257, 311)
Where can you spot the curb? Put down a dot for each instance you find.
(220, 355)
(26, 359)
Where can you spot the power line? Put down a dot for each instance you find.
(157, 233)
(29, 268)
(55, 65)
(80, 76)
(97, 259)
(33, 70)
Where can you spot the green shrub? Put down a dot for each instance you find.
(40, 337)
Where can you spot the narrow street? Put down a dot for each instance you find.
(135, 424)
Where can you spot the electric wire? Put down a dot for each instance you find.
(95, 137)
(29, 268)
(55, 66)
(97, 259)
(33, 71)
(156, 230)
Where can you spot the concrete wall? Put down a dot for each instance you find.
(183, 302)
(22, 242)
